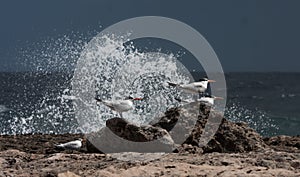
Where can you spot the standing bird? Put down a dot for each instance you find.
(72, 145)
(119, 105)
(207, 99)
(194, 87)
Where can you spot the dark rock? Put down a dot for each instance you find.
(169, 120)
(135, 133)
(233, 137)
(187, 148)
(214, 133)
(121, 136)
(284, 143)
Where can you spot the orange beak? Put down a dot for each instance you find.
(211, 81)
(219, 98)
(137, 98)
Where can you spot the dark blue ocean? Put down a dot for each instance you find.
(34, 102)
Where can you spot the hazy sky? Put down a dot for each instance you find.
(246, 35)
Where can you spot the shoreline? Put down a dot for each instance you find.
(35, 155)
(234, 150)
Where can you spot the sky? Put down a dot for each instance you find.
(247, 35)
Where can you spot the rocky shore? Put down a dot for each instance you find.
(233, 150)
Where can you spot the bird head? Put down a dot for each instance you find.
(206, 79)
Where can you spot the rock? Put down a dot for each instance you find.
(187, 148)
(206, 128)
(235, 137)
(121, 136)
(284, 143)
(213, 132)
(3, 163)
(169, 120)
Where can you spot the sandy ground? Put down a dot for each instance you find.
(35, 155)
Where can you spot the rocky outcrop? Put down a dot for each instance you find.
(204, 132)
(247, 154)
(121, 136)
(228, 136)
(235, 137)
(284, 143)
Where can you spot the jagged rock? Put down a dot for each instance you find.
(216, 134)
(135, 133)
(169, 120)
(187, 148)
(284, 143)
(235, 137)
(121, 136)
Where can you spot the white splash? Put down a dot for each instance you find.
(111, 70)
(256, 119)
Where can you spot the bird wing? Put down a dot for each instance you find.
(109, 104)
(172, 84)
(207, 100)
(123, 105)
(190, 88)
(199, 84)
(118, 105)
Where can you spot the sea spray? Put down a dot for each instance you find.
(255, 118)
(110, 69)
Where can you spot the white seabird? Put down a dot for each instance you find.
(194, 87)
(73, 145)
(207, 99)
(119, 105)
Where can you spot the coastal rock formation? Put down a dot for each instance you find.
(204, 132)
(284, 143)
(121, 136)
(229, 136)
(233, 150)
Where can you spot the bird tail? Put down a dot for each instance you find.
(178, 99)
(181, 100)
(98, 99)
(172, 84)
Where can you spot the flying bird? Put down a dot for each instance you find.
(119, 106)
(194, 87)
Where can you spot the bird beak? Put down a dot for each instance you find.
(137, 98)
(211, 81)
(219, 98)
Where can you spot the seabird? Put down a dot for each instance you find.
(73, 145)
(194, 87)
(207, 99)
(119, 105)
